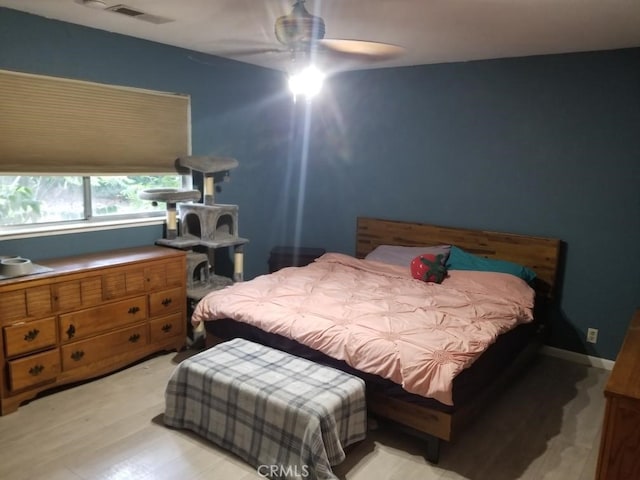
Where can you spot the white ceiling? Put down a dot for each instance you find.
(431, 31)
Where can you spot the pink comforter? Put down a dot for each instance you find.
(378, 319)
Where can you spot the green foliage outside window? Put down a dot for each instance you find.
(120, 195)
(17, 204)
(41, 199)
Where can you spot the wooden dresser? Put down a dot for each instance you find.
(92, 314)
(620, 444)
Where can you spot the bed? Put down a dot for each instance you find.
(395, 391)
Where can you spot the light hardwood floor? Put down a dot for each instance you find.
(545, 426)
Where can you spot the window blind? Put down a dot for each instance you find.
(51, 125)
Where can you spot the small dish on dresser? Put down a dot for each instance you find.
(14, 266)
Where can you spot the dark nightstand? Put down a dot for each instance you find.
(290, 256)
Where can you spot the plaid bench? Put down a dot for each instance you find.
(288, 417)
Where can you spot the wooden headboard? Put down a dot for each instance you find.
(538, 253)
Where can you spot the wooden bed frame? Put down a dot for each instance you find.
(538, 253)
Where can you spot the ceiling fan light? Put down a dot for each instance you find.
(299, 27)
(307, 82)
(97, 4)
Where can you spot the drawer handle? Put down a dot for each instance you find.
(166, 328)
(71, 331)
(134, 310)
(31, 335)
(134, 338)
(77, 355)
(36, 370)
(166, 302)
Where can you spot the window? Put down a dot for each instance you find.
(36, 200)
(76, 154)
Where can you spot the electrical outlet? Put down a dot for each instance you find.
(592, 335)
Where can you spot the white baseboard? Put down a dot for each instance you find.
(578, 357)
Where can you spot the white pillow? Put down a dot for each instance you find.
(401, 255)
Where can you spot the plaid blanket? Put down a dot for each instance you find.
(288, 417)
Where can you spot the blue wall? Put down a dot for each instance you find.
(546, 145)
(238, 110)
(543, 145)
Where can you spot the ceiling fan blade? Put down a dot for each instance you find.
(247, 52)
(375, 51)
(240, 48)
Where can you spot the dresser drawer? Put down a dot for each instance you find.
(84, 323)
(67, 296)
(167, 327)
(13, 306)
(29, 336)
(25, 303)
(75, 294)
(176, 272)
(102, 347)
(166, 301)
(163, 275)
(123, 282)
(34, 369)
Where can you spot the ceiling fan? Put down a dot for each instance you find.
(301, 31)
(302, 36)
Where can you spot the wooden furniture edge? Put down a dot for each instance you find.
(623, 381)
(622, 393)
(80, 264)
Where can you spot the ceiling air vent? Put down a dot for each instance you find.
(146, 17)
